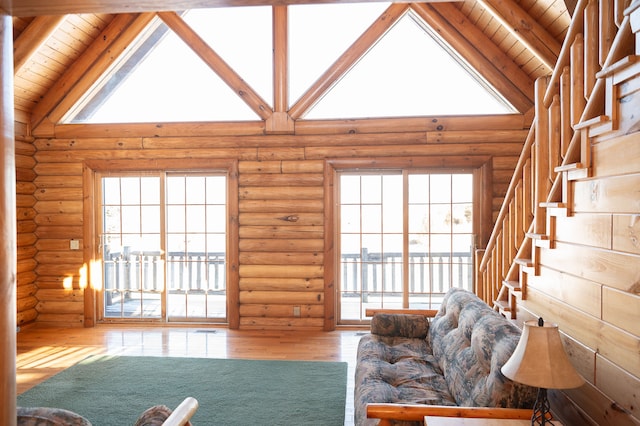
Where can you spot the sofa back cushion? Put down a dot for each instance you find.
(410, 326)
(472, 342)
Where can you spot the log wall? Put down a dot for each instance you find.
(26, 225)
(281, 203)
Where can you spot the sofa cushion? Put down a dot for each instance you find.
(413, 326)
(471, 343)
(397, 370)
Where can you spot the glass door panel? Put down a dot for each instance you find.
(196, 246)
(133, 273)
(164, 247)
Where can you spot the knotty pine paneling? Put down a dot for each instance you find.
(585, 229)
(614, 194)
(626, 233)
(587, 282)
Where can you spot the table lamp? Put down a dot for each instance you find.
(539, 360)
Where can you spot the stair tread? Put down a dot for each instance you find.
(556, 205)
(537, 236)
(568, 167)
(524, 262)
(512, 285)
(503, 305)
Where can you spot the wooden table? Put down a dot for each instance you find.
(459, 421)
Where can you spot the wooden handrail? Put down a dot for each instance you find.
(575, 28)
(504, 210)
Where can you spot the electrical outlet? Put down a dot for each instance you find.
(296, 311)
(74, 244)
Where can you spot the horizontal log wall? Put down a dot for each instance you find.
(281, 206)
(26, 227)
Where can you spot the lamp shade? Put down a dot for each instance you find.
(539, 359)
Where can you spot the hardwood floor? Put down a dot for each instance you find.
(43, 352)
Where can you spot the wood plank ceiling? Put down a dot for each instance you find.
(510, 42)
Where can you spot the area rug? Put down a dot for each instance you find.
(115, 390)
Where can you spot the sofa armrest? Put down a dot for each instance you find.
(417, 412)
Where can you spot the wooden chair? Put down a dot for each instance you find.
(183, 413)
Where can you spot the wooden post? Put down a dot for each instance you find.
(8, 237)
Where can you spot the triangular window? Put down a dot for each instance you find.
(319, 34)
(410, 72)
(161, 79)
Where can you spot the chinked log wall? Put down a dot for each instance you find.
(281, 203)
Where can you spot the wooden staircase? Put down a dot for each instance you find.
(593, 91)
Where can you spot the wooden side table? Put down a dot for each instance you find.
(460, 421)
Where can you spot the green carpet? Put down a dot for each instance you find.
(115, 390)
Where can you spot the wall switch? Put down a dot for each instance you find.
(74, 244)
(296, 311)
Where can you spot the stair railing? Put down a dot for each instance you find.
(555, 149)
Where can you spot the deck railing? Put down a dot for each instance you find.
(364, 272)
(435, 272)
(144, 271)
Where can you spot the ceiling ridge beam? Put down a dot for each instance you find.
(480, 52)
(88, 68)
(442, 125)
(34, 37)
(61, 7)
(217, 64)
(526, 29)
(348, 59)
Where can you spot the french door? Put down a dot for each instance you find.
(163, 246)
(406, 237)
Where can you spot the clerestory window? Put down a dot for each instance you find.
(409, 71)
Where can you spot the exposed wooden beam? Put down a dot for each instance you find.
(348, 59)
(280, 122)
(88, 67)
(217, 64)
(252, 131)
(526, 29)
(62, 7)
(8, 240)
(33, 37)
(480, 52)
(280, 58)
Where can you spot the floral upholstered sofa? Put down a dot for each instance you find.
(452, 360)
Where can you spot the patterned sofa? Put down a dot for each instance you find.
(453, 359)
